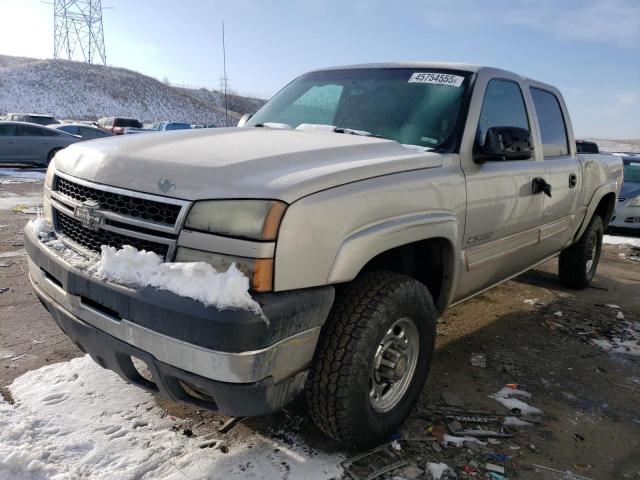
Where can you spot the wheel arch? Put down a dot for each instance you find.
(603, 203)
(421, 246)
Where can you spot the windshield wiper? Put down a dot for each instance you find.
(317, 127)
(275, 125)
(362, 133)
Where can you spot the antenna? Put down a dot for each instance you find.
(225, 80)
(78, 26)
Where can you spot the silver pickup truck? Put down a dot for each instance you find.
(360, 201)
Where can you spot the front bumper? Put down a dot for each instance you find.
(626, 217)
(227, 360)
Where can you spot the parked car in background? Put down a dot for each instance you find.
(32, 118)
(86, 132)
(585, 146)
(164, 126)
(116, 125)
(159, 127)
(132, 130)
(30, 143)
(627, 214)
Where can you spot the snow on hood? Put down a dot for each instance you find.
(238, 162)
(77, 420)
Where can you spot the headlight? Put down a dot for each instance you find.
(635, 202)
(48, 181)
(252, 219)
(259, 270)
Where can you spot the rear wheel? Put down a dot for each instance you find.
(578, 263)
(372, 359)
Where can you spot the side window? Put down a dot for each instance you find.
(7, 130)
(552, 128)
(29, 131)
(503, 106)
(316, 105)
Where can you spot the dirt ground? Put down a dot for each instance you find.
(590, 399)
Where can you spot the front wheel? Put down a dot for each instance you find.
(373, 358)
(578, 263)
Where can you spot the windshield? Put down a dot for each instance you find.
(412, 106)
(632, 171)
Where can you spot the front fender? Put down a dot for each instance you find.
(365, 244)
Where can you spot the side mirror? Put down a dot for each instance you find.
(505, 143)
(244, 119)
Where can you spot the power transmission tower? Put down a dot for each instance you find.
(78, 30)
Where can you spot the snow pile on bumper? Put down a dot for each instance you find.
(135, 268)
(197, 280)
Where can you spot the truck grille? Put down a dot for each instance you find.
(131, 206)
(93, 240)
(89, 215)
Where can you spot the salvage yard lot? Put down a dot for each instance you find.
(73, 417)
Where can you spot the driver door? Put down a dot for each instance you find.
(503, 214)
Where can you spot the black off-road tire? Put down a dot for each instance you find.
(338, 386)
(572, 265)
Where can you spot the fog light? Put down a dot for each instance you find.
(143, 369)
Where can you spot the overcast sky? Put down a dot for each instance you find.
(590, 49)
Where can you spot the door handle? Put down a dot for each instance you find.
(540, 185)
(11, 141)
(573, 180)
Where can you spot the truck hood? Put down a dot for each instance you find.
(238, 162)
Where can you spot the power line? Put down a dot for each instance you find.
(78, 31)
(225, 79)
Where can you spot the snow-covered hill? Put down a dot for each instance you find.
(628, 146)
(76, 90)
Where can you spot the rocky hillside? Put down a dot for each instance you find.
(75, 90)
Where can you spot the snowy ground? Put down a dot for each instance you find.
(631, 145)
(76, 420)
(21, 175)
(618, 240)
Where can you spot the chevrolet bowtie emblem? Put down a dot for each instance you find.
(88, 214)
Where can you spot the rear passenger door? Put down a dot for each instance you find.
(34, 143)
(562, 170)
(503, 214)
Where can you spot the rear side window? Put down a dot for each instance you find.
(127, 122)
(587, 147)
(70, 129)
(503, 106)
(552, 128)
(31, 131)
(41, 120)
(7, 130)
